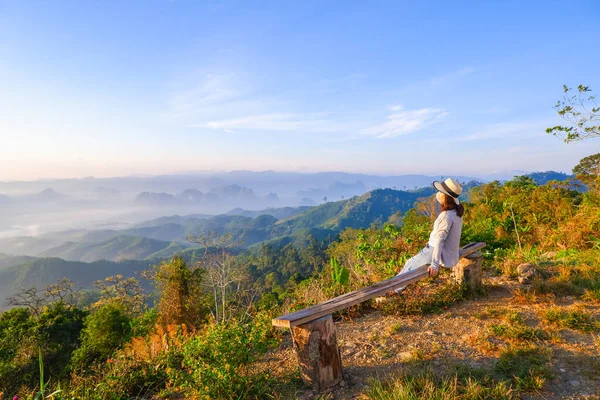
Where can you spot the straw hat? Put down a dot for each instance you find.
(451, 187)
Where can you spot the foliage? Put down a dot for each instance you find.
(217, 363)
(181, 299)
(339, 274)
(105, 331)
(124, 293)
(580, 111)
(55, 332)
(588, 172)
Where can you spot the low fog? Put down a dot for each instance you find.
(50, 209)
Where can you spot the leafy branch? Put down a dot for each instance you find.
(582, 113)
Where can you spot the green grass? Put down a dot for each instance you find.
(578, 320)
(518, 332)
(526, 366)
(518, 369)
(427, 386)
(577, 274)
(591, 295)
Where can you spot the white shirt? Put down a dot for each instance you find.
(445, 239)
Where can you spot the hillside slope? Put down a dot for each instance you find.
(40, 272)
(122, 247)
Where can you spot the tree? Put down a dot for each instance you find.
(35, 300)
(105, 331)
(58, 329)
(429, 207)
(588, 170)
(181, 300)
(221, 273)
(222, 276)
(581, 112)
(125, 292)
(522, 182)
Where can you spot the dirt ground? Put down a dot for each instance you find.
(377, 345)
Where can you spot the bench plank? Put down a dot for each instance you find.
(358, 296)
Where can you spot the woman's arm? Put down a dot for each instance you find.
(440, 235)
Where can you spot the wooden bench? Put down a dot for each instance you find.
(313, 331)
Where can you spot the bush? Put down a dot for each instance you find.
(105, 331)
(218, 363)
(55, 331)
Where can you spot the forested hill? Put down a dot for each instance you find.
(39, 272)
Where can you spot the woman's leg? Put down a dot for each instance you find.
(422, 258)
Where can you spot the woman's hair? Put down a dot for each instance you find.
(449, 204)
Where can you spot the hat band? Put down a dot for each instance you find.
(447, 189)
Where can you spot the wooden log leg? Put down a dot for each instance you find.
(468, 271)
(316, 346)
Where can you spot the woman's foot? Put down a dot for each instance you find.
(396, 291)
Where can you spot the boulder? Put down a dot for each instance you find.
(526, 273)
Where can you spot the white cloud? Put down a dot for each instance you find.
(227, 102)
(403, 122)
(313, 122)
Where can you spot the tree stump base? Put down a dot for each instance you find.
(468, 271)
(316, 346)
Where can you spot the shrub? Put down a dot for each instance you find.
(105, 331)
(217, 364)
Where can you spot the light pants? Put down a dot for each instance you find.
(424, 257)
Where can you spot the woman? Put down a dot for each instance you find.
(444, 241)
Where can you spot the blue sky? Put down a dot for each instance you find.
(156, 86)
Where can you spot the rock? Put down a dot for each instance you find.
(563, 370)
(526, 273)
(524, 268)
(574, 383)
(342, 384)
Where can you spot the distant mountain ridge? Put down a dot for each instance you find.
(197, 197)
(119, 248)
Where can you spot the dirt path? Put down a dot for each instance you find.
(377, 345)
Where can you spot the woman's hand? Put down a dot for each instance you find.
(432, 271)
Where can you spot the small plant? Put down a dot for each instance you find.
(43, 385)
(394, 328)
(340, 275)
